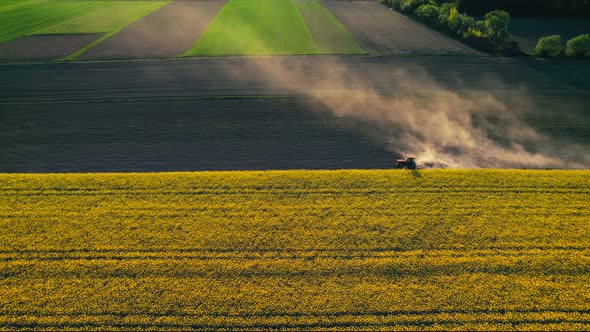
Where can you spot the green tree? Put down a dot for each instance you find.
(579, 46)
(443, 13)
(549, 46)
(465, 23)
(409, 6)
(497, 22)
(427, 13)
(460, 23)
(453, 19)
(482, 29)
(395, 4)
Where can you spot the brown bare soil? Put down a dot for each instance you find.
(168, 32)
(382, 31)
(44, 47)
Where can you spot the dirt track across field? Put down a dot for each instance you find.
(168, 32)
(382, 31)
(44, 47)
(224, 113)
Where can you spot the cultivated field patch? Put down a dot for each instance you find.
(296, 249)
(113, 16)
(20, 18)
(382, 31)
(202, 134)
(45, 47)
(329, 35)
(64, 22)
(256, 27)
(195, 114)
(166, 33)
(11, 5)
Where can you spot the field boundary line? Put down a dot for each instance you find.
(312, 314)
(286, 325)
(108, 35)
(276, 192)
(265, 256)
(441, 251)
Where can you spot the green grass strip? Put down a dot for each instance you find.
(256, 27)
(8, 6)
(329, 34)
(112, 16)
(21, 20)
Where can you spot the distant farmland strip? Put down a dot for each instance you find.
(62, 27)
(45, 47)
(166, 33)
(21, 20)
(329, 35)
(113, 16)
(296, 249)
(256, 27)
(382, 31)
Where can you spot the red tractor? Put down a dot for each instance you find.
(408, 163)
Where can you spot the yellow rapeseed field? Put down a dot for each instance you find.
(437, 249)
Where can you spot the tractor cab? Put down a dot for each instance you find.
(408, 163)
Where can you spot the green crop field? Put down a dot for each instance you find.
(262, 27)
(113, 16)
(256, 27)
(329, 35)
(437, 249)
(21, 18)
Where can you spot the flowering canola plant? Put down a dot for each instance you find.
(351, 249)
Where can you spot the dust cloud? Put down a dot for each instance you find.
(441, 127)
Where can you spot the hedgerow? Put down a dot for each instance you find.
(489, 34)
(549, 46)
(552, 46)
(579, 46)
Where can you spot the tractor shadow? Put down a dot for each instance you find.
(416, 173)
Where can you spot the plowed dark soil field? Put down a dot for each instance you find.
(201, 134)
(227, 113)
